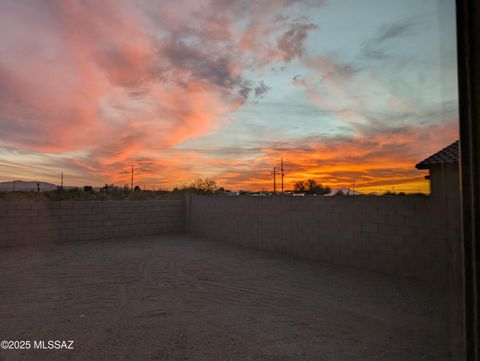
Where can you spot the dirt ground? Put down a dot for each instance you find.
(182, 298)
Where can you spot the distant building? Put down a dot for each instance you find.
(443, 171)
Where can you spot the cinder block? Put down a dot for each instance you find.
(66, 219)
(20, 205)
(19, 213)
(66, 204)
(59, 212)
(377, 218)
(370, 227)
(39, 205)
(386, 229)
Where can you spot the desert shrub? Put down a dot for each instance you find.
(199, 186)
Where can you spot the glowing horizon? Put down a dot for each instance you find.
(225, 89)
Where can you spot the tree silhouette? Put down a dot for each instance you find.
(300, 187)
(310, 187)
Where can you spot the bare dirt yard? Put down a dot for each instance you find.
(182, 298)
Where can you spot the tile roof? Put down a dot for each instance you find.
(448, 155)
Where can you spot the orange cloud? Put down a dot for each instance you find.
(93, 87)
(377, 163)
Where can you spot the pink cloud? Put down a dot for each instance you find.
(120, 82)
(107, 84)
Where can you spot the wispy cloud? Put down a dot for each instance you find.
(379, 45)
(92, 87)
(122, 82)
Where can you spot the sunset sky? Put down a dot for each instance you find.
(344, 90)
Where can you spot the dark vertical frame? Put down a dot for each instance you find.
(468, 43)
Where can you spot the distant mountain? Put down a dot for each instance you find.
(26, 186)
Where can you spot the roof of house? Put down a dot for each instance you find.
(448, 155)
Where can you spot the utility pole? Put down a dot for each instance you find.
(61, 181)
(274, 180)
(282, 173)
(131, 182)
(353, 192)
(13, 185)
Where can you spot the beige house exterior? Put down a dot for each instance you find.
(443, 171)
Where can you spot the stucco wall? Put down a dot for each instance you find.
(408, 236)
(25, 223)
(444, 180)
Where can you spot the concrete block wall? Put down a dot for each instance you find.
(30, 223)
(407, 236)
